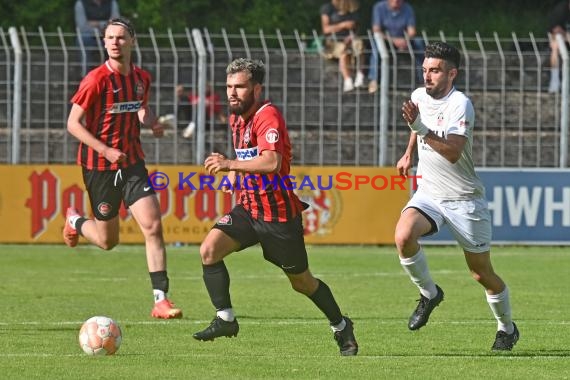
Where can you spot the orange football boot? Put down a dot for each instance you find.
(165, 309)
(70, 235)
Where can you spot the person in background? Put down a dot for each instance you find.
(107, 113)
(91, 16)
(394, 18)
(559, 24)
(339, 22)
(187, 103)
(441, 120)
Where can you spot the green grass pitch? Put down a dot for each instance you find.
(48, 291)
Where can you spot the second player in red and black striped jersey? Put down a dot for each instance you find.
(269, 197)
(111, 102)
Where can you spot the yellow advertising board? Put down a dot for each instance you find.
(349, 205)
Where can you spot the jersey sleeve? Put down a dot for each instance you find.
(270, 131)
(462, 118)
(89, 90)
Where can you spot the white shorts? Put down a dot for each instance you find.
(468, 220)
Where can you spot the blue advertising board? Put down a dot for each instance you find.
(528, 206)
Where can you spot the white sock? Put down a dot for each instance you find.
(501, 308)
(339, 327)
(159, 295)
(226, 314)
(416, 267)
(73, 220)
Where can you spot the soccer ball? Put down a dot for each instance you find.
(100, 336)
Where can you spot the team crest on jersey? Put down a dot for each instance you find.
(440, 119)
(225, 220)
(247, 134)
(272, 136)
(139, 89)
(104, 208)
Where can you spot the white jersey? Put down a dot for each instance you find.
(440, 179)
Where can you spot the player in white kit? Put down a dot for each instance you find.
(449, 191)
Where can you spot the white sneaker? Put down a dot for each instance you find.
(359, 80)
(189, 130)
(348, 85)
(372, 86)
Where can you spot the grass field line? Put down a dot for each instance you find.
(263, 276)
(245, 321)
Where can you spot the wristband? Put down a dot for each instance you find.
(420, 128)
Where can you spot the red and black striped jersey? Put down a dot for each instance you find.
(269, 197)
(111, 102)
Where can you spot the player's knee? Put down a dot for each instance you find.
(304, 284)
(208, 253)
(300, 287)
(482, 276)
(403, 238)
(152, 230)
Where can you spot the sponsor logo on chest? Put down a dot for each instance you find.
(125, 107)
(246, 154)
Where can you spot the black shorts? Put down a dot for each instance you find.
(108, 188)
(283, 244)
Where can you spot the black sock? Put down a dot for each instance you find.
(324, 299)
(159, 280)
(217, 281)
(79, 223)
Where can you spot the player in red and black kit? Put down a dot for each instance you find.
(268, 211)
(106, 116)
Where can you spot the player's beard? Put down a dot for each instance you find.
(437, 92)
(243, 105)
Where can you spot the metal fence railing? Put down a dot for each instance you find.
(518, 122)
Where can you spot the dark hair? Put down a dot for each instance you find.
(124, 22)
(441, 50)
(254, 68)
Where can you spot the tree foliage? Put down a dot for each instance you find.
(468, 16)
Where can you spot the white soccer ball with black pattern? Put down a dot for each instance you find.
(100, 336)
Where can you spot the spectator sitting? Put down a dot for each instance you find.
(394, 18)
(187, 102)
(559, 23)
(339, 20)
(91, 17)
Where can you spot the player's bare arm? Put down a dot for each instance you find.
(267, 162)
(148, 119)
(404, 164)
(77, 129)
(449, 147)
